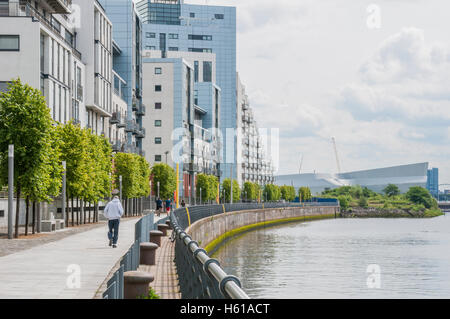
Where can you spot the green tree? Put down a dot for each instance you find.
(420, 195)
(391, 190)
(226, 185)
(272, 192)
(74, 151)
(166, 176)
(144, 177)
(250, 191)
(25, 121)
(287, 193)
(304, 194)
(214, 186)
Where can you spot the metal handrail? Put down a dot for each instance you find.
(229, 285)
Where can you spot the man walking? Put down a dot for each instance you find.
(113, 212)
(159, 206)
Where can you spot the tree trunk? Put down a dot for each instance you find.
(33, 227)
(16, 234)
(71, 211)
(89, 217)
(84, 212)
(26, 216)
(96, 213)
(79, 210)
(67, 210)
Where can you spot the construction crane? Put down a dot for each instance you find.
(333, 140)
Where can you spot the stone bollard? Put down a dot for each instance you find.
(136, 284)
(163, 228)
(169, 224)
(148, 254)
(155, 237)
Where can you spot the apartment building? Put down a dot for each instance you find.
(66, 49)
(38, 44)
(253, 158)
(171, 26)
(94, 40)
(183, 116)
(127, 66)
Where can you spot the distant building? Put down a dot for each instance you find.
(127, 66)
(433, 181)
(254, 163)
(183, 116)
(404, 177)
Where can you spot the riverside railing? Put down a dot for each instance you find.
(201, 277)
(130, 261)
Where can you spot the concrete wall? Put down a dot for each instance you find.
(209, 229)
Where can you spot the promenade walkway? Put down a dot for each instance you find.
(51, 270)
(166, 283)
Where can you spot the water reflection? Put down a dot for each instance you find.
(329, 259)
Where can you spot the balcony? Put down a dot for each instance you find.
(132, 127)
(141, 110)
(60, 6)
(140, 133)
(115, 119)
(130, 148)
(118, 146)
(135, 104)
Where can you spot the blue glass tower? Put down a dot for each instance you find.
(433, 181)
(175, 26)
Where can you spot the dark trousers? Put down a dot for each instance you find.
(113, 233)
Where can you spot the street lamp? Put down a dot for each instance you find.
(120, 187)
(167, 152)
(158, 188)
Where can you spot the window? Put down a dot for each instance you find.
(158, 158)
(200, 37)
(150, 47)
(219, 16)
(173, 48)
(158, 140)
(158, 106)
(158, 123)
(158, 71)
(173, 36)
(203, 50)
(196, 71)
(207, 71)
(192, 15)
(9, 43)
(158, 88)
(150, 35)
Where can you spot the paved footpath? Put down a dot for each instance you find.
(166, 279)
(49, 271)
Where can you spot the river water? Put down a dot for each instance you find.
(343, 258)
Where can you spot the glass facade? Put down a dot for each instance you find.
(218, 37)
(159, 13)
(433, 181)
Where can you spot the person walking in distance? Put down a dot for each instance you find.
(168, 206)
(159, 206)
(113, 212)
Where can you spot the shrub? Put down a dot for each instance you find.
(344, 202)
(363, 202)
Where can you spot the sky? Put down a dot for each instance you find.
(373, 74)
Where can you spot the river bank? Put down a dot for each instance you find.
(373, 212)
